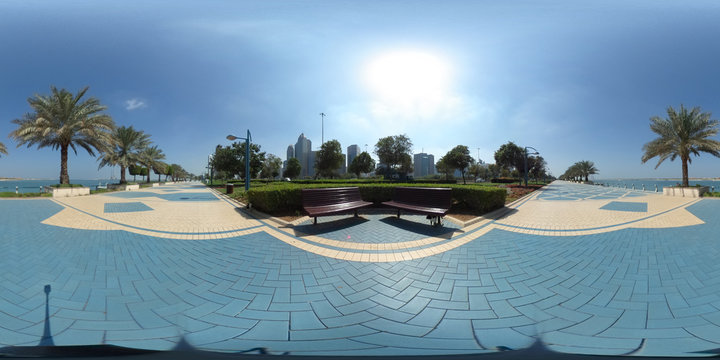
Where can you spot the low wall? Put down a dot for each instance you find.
(693, 192)
(68, 192)
(124, 187)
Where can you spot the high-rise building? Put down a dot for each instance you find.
(343, 168)
(423, 164)
(290, 152)
(303, 148)
(352, 152)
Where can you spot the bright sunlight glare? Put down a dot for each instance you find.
(408, 76)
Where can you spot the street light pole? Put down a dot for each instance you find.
(526, 155)
(322, 119)
(247, 156)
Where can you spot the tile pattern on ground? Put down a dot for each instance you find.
(645, 291)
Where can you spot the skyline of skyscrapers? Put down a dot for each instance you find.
(423, 163)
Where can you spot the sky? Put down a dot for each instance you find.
(576, 80)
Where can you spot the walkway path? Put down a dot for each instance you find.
(585, 269)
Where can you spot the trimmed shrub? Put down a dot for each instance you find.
(503, 180)
(284, 197)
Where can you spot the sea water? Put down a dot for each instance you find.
(650, 184)
(34, 186)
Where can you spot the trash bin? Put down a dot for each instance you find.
(229, 188)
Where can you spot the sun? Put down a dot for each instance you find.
(408, 76)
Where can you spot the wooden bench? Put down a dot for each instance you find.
(331, 201)
(433, 202)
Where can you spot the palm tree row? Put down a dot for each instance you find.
(65, 121)
(580, 170)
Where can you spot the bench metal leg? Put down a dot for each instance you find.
(315, 221)
(398, 213)
(356, 214)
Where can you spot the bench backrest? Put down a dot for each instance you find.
(330, 196)
(426, 197)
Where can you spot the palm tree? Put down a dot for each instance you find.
(127, 142)
(3, 149)
(586, 168)
(62, 121)
(683, 133)
(160, 168)
(149, 157)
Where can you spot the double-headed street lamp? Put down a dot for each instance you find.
(526, 155)
(247, 156)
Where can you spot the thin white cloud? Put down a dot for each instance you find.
(134, 104)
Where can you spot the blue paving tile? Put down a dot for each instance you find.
(453, 329)
(268, 330)
(126, 207)
(305, 320)
(507, 338)
(343, 332)
(625, 206)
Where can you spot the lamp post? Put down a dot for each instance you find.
(210, 169)
(526, 155)
(247, 156)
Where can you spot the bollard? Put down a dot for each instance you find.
(656, 190)
(643, 185)
(16, 190)
(712, 188)
(633, 186)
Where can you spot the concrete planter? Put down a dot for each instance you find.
(68, 192)
(694, 192)
(124, 187)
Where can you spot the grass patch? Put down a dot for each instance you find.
(12, 194)
(62, 186)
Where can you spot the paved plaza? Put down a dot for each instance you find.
(584, 269)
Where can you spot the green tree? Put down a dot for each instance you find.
(62, 121)
(494, 170)
(682, 134)
(150, 156)
(362, 163)
(177, 172)
(134, 170)
(293, 168)
(169, 171)
(478, 170)
(444, 167)
(160, 168)
(271, 167)
(329, 159)
(394, 152)
(459, 158)
(124, 151)
(256, 158)
(537, 167)
(226, 160)
(586, 168)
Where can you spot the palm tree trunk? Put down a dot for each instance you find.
(685, 181)
(122, 175)
(64, 178)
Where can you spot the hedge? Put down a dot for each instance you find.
(288, 197)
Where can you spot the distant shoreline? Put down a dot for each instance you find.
(11, 179)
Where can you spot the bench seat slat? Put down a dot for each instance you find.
(330, 201)
(435, 202)
(418, 209)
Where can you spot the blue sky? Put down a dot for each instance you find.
(577, 80)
